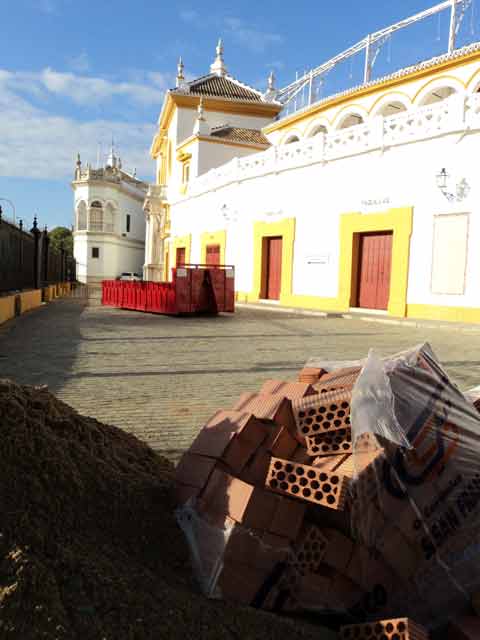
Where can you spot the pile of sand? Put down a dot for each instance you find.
(89, 548)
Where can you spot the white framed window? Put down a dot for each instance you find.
(82, 216)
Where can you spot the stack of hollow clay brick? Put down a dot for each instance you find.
(286, 511)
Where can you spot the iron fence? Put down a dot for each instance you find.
(27, 261)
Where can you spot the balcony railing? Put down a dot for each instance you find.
(454, 114)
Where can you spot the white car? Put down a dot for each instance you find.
(128, 275)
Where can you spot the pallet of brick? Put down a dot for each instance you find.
(418, 502)
(307, 483)
(311, 375)
(338, 379)
(291, 390)
(322, 412)
(393, 629)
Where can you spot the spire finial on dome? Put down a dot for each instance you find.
(271, 81)
(112, 159)
(180, 70)
(271, 93)
(218, 65)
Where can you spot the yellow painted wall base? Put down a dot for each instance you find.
(7, 308)
(464, 315)
(450, 314)
(30, 300)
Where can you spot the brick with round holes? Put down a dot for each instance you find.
(330, 443)
(307, 483)
(393, 629)
(323, 412)
(308, 551)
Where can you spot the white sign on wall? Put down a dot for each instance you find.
(318, 259)
(373, 205)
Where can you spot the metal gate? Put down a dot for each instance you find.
(375, 265)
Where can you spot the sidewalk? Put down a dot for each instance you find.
(364, 316)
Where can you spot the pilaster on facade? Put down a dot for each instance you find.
(157, 230)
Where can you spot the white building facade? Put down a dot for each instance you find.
(109, 229)
(367, 200)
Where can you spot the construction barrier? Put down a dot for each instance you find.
(195, 288)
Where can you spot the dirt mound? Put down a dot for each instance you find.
(89, 548)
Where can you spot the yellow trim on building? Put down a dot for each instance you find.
(213, 237)
(448, 79)
(388, 96)
(364, 91)
(7, 308)
(179, 242)
(286, 229)
(451, 314)
(261, 109)
(399, 221)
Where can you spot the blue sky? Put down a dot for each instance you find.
(72, 74)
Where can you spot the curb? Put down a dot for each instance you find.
(405, 322)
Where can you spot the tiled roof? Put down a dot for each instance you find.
(222, 86)
(239, 134)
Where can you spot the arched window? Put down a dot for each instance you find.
(391, 109)
(437, 95)
(109, 221)
(321, 128)
(82, 216)
(96, 216)
(291, 139)
(351, 121)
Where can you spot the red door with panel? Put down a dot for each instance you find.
(180, 256)
(213, 254)
(375, 265)
(273, 265)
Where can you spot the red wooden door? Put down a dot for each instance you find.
(375, 264)
(274, 268)
(213, 254)
(180, 257)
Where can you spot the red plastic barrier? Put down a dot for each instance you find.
(194, 289)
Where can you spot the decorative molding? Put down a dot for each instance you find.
(456, 114)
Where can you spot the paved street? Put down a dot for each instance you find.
(161, 377)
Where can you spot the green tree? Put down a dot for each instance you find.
(59, 235)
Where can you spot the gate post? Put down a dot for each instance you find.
(36, 254)
(45, 256)
(62, 263)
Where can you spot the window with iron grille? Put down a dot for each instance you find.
(96, 216)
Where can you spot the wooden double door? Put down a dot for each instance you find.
(374, 269)
(272, 268)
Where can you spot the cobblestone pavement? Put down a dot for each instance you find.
(160, 377)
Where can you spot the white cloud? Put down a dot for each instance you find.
(80, 63)
(36, 144)
(250, 37)
(242, 32)
(86, 90)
